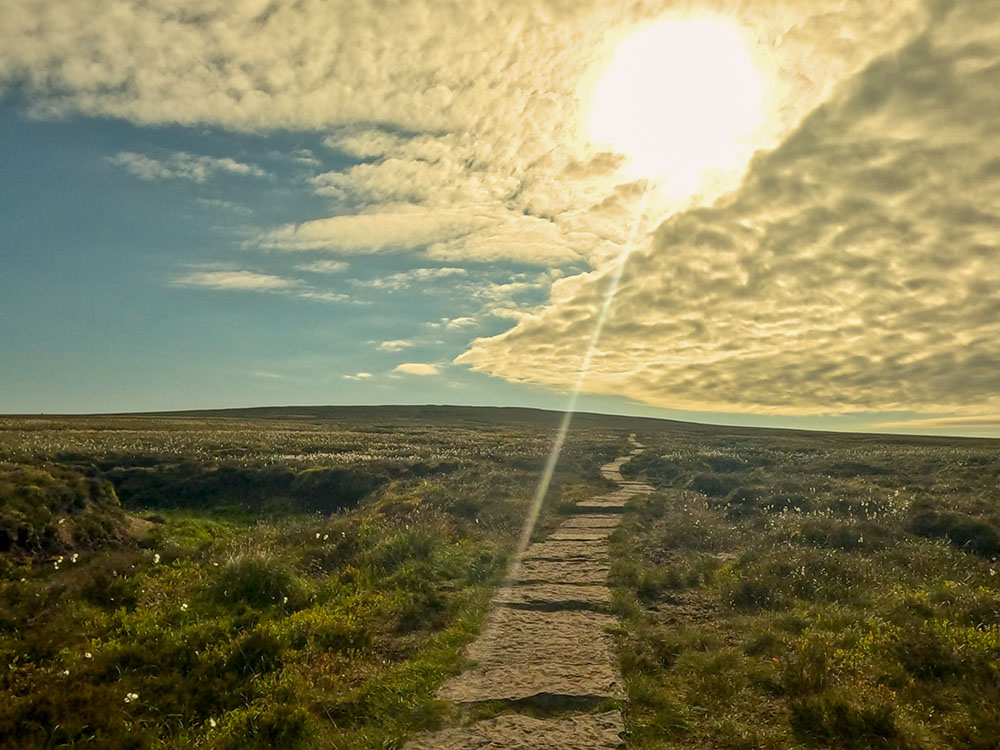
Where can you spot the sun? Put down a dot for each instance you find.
(682, 100)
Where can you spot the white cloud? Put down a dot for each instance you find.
(321, 296)
(856, 269)
(416, 368)
(358, 376)
(236, 281)
(224, 204)
(482, 149)
(323, 266)
(401, 228)
(457, 323)
(181, 165)
(395, 345)
(227, 279)
(404, 279)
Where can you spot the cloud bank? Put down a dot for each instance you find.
(857, 267)
(467, 117)
(852, 265)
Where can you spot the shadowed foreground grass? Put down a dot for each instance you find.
(812, 592)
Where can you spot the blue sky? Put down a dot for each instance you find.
(423, 217)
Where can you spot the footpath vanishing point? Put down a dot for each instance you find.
(545, 642)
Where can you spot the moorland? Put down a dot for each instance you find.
(307, 577)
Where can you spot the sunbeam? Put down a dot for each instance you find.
(550, 464)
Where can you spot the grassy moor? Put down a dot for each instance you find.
(309, 578)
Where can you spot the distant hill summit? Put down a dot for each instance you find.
(500, 416)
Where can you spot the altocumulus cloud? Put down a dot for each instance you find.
(242, 280)
(481, 153)
(856, 268)
(181, 165)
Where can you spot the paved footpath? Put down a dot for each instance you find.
(545, 641)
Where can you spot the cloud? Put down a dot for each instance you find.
(225, 205)
(394, 346)
(323, 266)
(358, 376)
(416, 368)
(321, 296)
(244, 281)
(481, 150)
(942, 423)
(227, 279)
(850, 265)
(181, 165)
(857, 268)
(401, 228)
(394, 282)
(456, 323)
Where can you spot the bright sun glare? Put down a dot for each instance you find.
(681, 100)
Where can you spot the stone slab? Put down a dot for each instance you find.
(512, 732)
(590, 521)
(535, 681)
(553, 596)
(595, 551)
(563, 571)
(581, 535)
(528, 637)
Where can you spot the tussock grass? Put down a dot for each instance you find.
(292, 585)
(811, 591)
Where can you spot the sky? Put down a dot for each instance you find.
(239, 203)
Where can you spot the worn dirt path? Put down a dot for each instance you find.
(545, 641)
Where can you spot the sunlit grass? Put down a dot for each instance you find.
(793, 594)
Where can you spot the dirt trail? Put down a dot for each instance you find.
(545, 641)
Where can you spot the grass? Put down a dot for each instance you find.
(251, 588)
(310, 578)
(811, 591)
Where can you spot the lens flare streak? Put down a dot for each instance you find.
(550, 464)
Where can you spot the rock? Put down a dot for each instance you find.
(554, 596)
(517, 637)
(513, 732)
(535, 681)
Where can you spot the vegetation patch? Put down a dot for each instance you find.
(810, 592)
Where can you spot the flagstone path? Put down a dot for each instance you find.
(545, 641)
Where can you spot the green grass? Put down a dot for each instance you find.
(811, 591)
(252, 589)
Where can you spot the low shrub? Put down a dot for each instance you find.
(974, 534)
(832, 720)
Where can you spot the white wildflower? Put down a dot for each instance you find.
(211, 723)
(184, 607)
(325, 537)
(284, 600)
(74, 558)
(317, 535)
(87, 655)
(129, 697)
(65, 673)
(156, 559)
